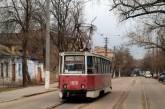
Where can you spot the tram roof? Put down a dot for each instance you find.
(83, 53)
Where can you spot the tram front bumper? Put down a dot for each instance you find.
(72, 93)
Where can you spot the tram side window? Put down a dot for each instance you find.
(102, 66)
(110, 66)
(106, 70)
(96, 64)
(90, 65)
(105, 64)
(99, 65)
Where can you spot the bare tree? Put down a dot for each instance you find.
(150, 33)
(20, 14)
(123, 61)
(148, 41)
(134, 8)
(60, 11)
(152, 13)
(72, 32)
(153, 61)
(40, 18)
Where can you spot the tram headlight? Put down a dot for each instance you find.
(82, 86)
(65, 86)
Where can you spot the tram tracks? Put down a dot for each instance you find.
(121, 100)
(118, 105)
(82, 104)
(79, 106)
(124, 96)
(145, 99)
(55, 105)
(63, 103)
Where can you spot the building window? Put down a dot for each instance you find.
(19, 69)
(7, 73)
(2, 70)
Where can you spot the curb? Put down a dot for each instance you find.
(29, 95)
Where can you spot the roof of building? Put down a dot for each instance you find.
(4, 51)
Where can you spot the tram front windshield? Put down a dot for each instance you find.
(74, 64)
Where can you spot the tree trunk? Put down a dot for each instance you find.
(60, 41)
(43, 46)
(26, 76)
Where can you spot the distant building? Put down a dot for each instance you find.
(11, 67)
(101, 51)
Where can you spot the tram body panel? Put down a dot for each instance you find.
(84, 82)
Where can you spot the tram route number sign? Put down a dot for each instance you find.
(74, 82)
(74, 58)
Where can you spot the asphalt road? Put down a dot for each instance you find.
(128, 93)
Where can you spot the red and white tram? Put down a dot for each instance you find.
(84, 74)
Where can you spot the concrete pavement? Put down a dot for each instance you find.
(25, 92)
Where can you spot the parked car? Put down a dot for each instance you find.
(148, 74)
(162, 77)
(133, 75)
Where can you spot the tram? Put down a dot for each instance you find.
(83, 74)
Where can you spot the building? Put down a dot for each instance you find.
(101, 51)
(11, 68)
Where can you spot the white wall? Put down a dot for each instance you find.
(32, 69)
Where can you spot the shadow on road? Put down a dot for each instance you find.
(78, 100)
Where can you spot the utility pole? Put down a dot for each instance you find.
(153, 60)
(114, 62)
(157, 56)
(47, 71)
(106, 43)
(106, 46)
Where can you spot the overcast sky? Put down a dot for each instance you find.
(107, 23)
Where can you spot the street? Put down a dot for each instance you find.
(127, 93)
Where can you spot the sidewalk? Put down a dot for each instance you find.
(25, 92)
